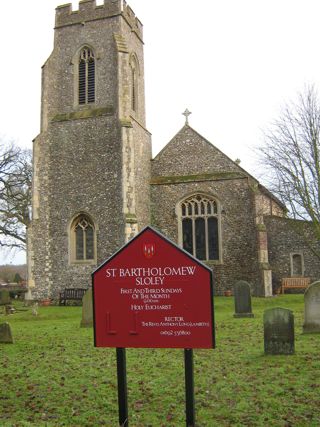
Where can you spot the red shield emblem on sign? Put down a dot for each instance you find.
(149, 249)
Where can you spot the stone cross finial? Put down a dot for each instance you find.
(187, 114)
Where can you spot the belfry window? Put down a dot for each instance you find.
(83, 239)
(199, 226)
(86, 76)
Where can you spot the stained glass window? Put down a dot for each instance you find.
(83, 239)
(200, 231)
(187, 235)
(200, 227)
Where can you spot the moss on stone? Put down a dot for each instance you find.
(126, 123)
(264, 266)
(84, 114)
(131, 218)
(216, 176)
(261, 227)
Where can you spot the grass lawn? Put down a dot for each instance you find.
(53, 376)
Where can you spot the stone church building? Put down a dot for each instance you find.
(95, 184)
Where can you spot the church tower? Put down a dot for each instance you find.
(92, 156)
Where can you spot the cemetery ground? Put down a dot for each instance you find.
(53, 376)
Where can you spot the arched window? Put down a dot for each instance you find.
(86, 76)
(134, 83)
(82, 239)
(133, 90)
(199, 227)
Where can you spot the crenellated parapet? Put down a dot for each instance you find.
(132, 19)
(89, 11)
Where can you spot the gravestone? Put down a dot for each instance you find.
(4, 297)
(312, 309)
(242, 299)
(35, 309)
(87, 310)
(278, 331)
(9, 309)
(5, 334)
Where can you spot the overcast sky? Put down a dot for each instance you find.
(232, 63)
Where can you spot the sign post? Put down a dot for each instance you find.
(153, 294)
(122, 387)
(188, 369)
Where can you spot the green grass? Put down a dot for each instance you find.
(53, 376)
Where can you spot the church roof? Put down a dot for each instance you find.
(191, 157)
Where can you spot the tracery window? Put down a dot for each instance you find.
(83, 239)
(199, 222)
(86, 76)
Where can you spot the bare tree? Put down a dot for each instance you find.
(291, 155)
(15, 196)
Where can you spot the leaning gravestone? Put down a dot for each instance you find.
(278, 331)
(312, 309)
(242, 299)
(5, 334)
(4, 297)
(87, 310)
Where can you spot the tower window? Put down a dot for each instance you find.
(86, 76)
(133, 89)
(134, 70)
(199, 227)
(82, 239)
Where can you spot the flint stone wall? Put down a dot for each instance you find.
(190, 156)
(79, 161)
(285, 238)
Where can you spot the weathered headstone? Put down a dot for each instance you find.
(9, 309)
(278, 331)
(5, 334)
(4, 297)
(242, 299)
(312, 309)
(35, 309)
(87, 310)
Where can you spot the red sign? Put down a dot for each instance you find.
(153, 294)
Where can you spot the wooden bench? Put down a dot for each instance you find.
(294, 283)
(71, 294)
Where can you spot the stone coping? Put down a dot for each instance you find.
(177, 179)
